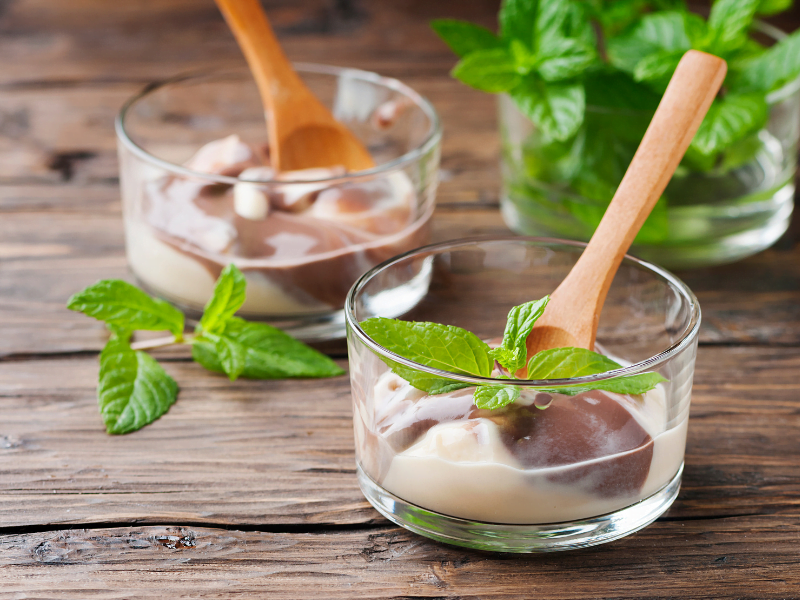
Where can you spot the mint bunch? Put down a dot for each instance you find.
(589, 75)
(134, 390)
(459, 351)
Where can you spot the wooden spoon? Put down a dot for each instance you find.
(573, 312)
(302, 131)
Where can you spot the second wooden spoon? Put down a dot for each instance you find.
(573, 313)
(302, 131)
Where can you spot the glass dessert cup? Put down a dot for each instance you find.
(198, 194)
(710, 213)
(550, 471)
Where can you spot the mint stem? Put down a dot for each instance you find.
(161, 342)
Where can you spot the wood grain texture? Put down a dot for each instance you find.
(248, 489)
(281, 452)
(742, 558)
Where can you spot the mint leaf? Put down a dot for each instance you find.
(512, 353)
(443, 347)
(517, 20)
(133, 389)
(492, 397)
(231, 353)
(549, 23)
(563, 363)
(228, 297)
(729, 119)
(728, 24)
(557, 109)
(772, 7)
(122, 305)
(464, 37)
(488, 70)
(776, 67)
(259, 351)
(564, 59)
(658, 67)
(631, 384)
(658, 32)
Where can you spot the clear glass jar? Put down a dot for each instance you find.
(716, 215)
(550, 471)
(198, 194)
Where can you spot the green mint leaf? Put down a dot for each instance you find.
(773, 7)
(259, 351)
(133, 389)
(488, 70)
(631, 384)
(122, 305)
(512, 353)
(776, 67)
(434, 345)
(557, 109)
(564, 59)
(517, 19)
(730, 119)
(657, 68)
(492, 397)
(728, 24)
(464, 37)
(549, 25)
(231, 354)
(228, 297)
(657, 32)
(563, 363)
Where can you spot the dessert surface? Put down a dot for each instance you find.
(545, 458)
(300, 237)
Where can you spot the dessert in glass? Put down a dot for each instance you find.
(550, 471)
(199, 193)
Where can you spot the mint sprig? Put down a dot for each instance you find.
(134, 390)
(547, 58)
(450, 348)
(542, 49)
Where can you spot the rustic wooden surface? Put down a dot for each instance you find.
(249, 489)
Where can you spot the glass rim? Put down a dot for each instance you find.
(431, 139)
(686, 338)
(773, 97)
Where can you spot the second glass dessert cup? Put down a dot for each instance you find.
(198, 193)
(550, 471)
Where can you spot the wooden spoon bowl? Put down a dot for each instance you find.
(303, 133)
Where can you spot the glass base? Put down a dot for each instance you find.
(701, 236)
(499, 537)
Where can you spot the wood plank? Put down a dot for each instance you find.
(47, 256)
(742, 558)
(281, 452)
(45, 41)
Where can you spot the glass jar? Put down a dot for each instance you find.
(549, 471)
(709, 214)
(198, 194)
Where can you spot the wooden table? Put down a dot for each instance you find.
(249, 489)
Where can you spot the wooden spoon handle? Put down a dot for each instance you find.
(685, 103)
(260, 47)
